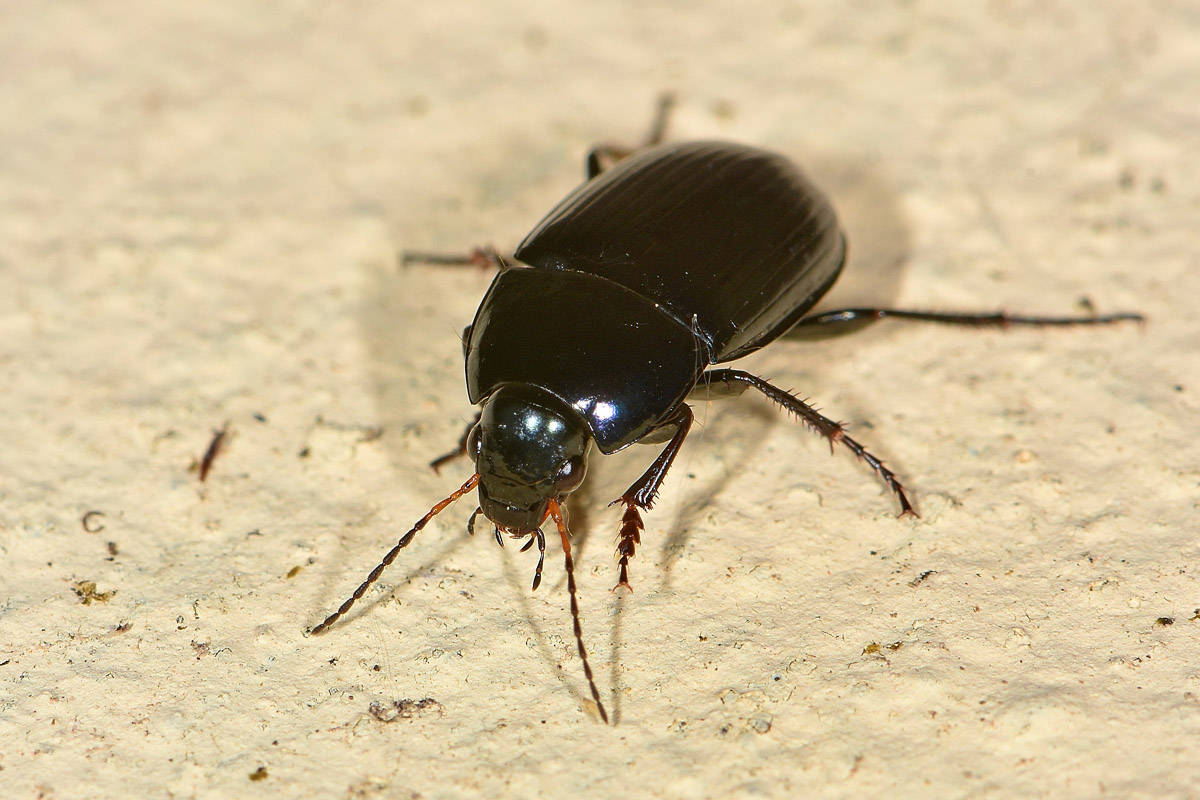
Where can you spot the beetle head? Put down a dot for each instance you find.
(528, 448)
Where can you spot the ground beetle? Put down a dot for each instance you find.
(677, 258)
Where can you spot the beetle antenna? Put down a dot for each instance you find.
(556, 513)
(395, 551)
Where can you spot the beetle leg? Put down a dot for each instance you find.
(593, 165)
(727, 379)
(460, 450)
(662, 113)
(642, 492)
(845, 320)
(602, 156)
(483, 257)
(540, 538)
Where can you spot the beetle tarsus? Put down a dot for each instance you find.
(883, 472)
(628, 540)
(642, 492)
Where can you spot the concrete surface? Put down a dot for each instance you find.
(200, 208)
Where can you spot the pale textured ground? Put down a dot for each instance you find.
(200, 206)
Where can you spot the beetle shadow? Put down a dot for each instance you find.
(432, 565)
(755, 422)
(573, 681)
(878, 239)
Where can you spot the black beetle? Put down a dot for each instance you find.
(678, 258)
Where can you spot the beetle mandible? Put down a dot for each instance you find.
(676, 259)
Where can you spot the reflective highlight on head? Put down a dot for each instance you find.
(528, 448)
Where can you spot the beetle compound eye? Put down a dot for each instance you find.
(569, 475)
(474, 443)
